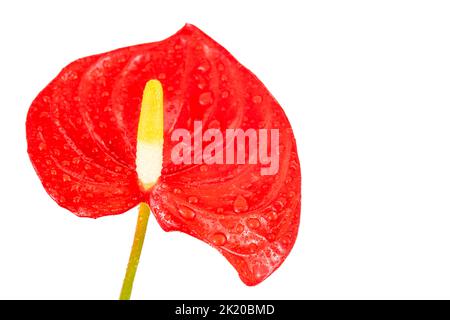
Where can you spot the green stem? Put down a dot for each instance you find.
(138, 242)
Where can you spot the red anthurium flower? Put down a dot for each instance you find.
(103, 135)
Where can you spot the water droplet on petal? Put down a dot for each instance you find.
(253, 223)
(42, 146)
(285, 240)
(204, 66)
(219, 239)
(201, 85)
(192, 199)
(240, 204)
(219, 210)
(225, 94)
(66, 178)
(53, 172)
(260, 271)
(205, 98)
(239, 228)
(177, 191)
(203, 168)
(164, 186)
(257, 99)
(272, 216)
(278, 205)
(186, 213)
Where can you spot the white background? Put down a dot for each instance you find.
(366, 86)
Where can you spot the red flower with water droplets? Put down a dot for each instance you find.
(82, 138)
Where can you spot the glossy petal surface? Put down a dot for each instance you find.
(82, 128)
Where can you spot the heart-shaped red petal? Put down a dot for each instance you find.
(82, 137)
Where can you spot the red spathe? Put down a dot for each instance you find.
(82, 129)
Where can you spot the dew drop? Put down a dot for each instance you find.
(53, 172)
(201, 85)
(253, 223)
(204, 66)
(66, 178)
(219, 210)
(257, 99)
(285, 240)
(43, 115)
(240, 204)
(186, 213)
(272, 216)
(239, 228)
(260, 271)
(278, 205)
(203, 168)
(76, 199)
(42, 146)
(219, 239)
(225, 94)
(192, 199)
(164, 186)
(205, 98)
(177, 191)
